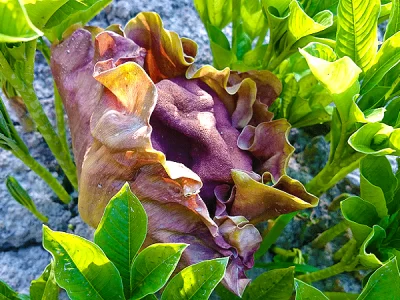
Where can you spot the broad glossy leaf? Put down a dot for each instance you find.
(378, 183)
(384, 283)
(305, 291)
(196, 281)
(81, 267)
(387, 57)
(122, 231)
(392, 114)
(153, 267)
(15, 25)
(360, 215)
(216, 12)
(340, 78)
(321, 51)
(369, 249)
(277, 12)
(40, 11)
(376, 139)
(275, 285)
(71, 12)
(6, 292)
(220, 47)
(253, 58)
(357, 32)
(312, 7)
(45, 287)
(253, 18)
(393, 25)
(301, 25)
(337, 76)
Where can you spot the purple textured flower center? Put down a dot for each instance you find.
(192, 126)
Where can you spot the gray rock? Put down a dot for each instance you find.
(20, 267)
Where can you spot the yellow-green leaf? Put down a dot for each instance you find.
(15, 25)
(122, 231)
(357, 31)
(81, 267)
(153, 267)
(196, 282)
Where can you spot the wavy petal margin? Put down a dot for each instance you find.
(168, 55)
(112, 84)
(259, 202)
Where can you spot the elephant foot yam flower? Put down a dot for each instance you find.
(197, 147)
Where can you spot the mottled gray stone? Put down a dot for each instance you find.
(20, 267)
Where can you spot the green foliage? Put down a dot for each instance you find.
(384, 283)
(45, 287)
(274, 284)
(196, 281)
(23, 198)
(112, 268)
(153, 267)
(357, 32)
(305, 291)
(15, 24)
(121, 232)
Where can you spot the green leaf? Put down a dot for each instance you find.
(45, 287)
(301, 25)
(388, 56)
(378, 183)
(81, 268)
(360, 215)
(369, 249)
(196, 281)
(6, 292)
(384, 283)
(220, 47)
(216, 12)
(40, 11)
(72, 12)
(312, 7)
(376, 139)
(393, 25)
(357, 31)
(337, 76)
(22, 197)
(305, 291)
(122, 231)
(254, 20)
(153, 267)
(15, 25)
(275, 284)
(321, 51)
(392, 113)
(225, 294)
(254, 58)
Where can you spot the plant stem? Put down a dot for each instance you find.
(35, 109)
(328, 235)
(45, 174)
(347, 264)
(332, 173)
(58, 105)
(324, 273)
(279, 59)
(274, 233)
(262, 36)
(236, 20)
